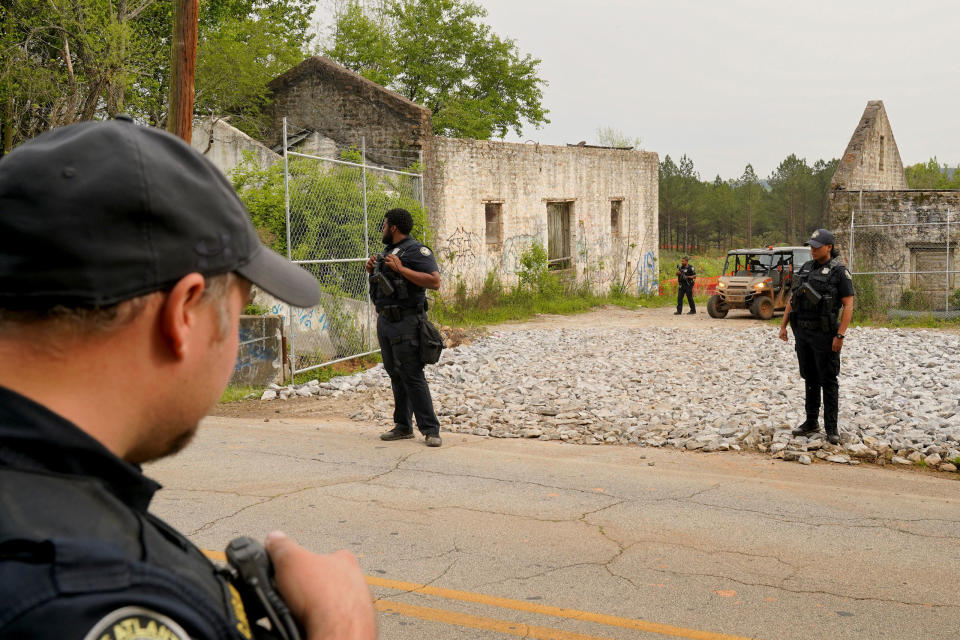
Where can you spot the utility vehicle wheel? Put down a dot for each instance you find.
(762, 308)
(716, 307)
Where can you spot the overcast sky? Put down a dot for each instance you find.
(731, 82)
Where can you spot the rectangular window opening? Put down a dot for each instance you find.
(880, 166)
(494, 218)
(616, 206)
(559, 232)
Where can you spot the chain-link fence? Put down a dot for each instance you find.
(334, 212)
(904, 263)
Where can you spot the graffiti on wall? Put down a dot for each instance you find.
(513, 249)
(460, 250)
(647, 274)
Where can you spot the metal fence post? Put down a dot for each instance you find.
(946, 284)
(286, 207)
(366, 234)
(852, 234)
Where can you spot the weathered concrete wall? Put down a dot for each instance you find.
(320, 95)
(920, 218)
(872, 159)
(260, 357)
(329, 331)
(463, 175)
(224, 145)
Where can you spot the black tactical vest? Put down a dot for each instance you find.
(824, 284)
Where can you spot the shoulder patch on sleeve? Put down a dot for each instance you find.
(136, 623)
(846, 272)
(425, 251)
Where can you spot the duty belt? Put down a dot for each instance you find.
(394, 313)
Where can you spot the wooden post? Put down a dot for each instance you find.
(183, 60)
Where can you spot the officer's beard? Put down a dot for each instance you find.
(387, 237)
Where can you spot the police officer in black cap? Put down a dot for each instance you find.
(822, 288)
(685, 279)
(398, 284)
(125, 261)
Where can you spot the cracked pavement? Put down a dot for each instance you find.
(735, 544)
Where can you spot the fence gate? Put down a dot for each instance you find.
(334, 212)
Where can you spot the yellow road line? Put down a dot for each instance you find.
(556, 612)
(519, 605)
(476, 622)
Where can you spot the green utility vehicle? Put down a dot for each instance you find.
(758, 280)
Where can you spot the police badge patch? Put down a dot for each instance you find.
(825, 271)
(136, 623)
(425, 251)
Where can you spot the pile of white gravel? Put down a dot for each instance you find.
(712, 389)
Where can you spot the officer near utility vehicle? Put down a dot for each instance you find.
(685, 279)
(822, 288)
(125, 261)
(399, 279)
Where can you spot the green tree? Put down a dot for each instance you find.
(62, 61)
(931, 175)
(439, 53)
(237, 59)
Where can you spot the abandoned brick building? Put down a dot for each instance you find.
(593, 209)
(904, 239)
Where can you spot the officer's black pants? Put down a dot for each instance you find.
(400, 348)
(688, 291)
(819, 368)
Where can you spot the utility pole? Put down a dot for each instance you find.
(183, 61)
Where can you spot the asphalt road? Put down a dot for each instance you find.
(491, 538)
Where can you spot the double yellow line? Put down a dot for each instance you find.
(515, 628)
(520, 629)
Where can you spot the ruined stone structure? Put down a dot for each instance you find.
(900, 239)
(225, 145)
(872, 160)
(593, 209)
(321, 96)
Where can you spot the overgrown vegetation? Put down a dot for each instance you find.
(538, 290)
(337, 369)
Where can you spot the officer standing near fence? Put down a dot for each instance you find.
(685, 278)
(398, 286)
(821, 288)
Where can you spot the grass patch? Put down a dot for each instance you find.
(522, 303)
(337, 369)
(233, 393)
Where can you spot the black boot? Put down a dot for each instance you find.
(807, 428)
(833, 436)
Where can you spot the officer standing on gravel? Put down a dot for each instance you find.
(398, 284)
(820, 289)
(685, 277)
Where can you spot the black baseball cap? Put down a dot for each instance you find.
(96, 213)
(819, 238)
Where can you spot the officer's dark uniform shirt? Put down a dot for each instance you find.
(830, 279)
(80, 556)
(686, 276)
(415, 256)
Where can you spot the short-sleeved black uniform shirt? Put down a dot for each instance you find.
(81, 557)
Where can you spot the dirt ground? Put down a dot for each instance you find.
(324, 408)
